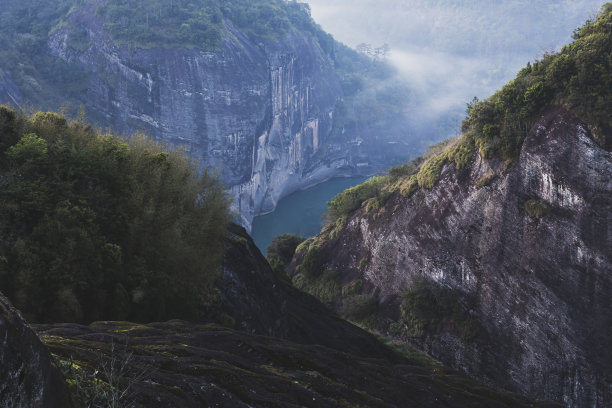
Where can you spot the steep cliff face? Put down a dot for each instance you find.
(259, 109)
(526, 251)
(243, 108)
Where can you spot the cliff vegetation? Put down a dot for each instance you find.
(579, 78)
(201, 23)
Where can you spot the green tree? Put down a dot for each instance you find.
(93, 227)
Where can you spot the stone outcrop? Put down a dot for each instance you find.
(27, 376)
(537, 282)
(253, 299)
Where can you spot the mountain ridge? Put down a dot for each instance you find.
(493, 252)
(276, 108)
(507, 289)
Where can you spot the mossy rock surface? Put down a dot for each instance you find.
(177, 363)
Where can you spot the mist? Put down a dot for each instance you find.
(448, 51)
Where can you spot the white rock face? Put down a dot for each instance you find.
(244, 109)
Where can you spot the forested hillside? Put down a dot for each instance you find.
(93, 227)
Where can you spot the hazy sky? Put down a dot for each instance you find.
(452, 50)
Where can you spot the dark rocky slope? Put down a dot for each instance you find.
(330, 363)
(252, 298)
(28, 377)
(179, 364)
(525, 251)
(324, 361)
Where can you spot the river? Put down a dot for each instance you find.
(300, 213)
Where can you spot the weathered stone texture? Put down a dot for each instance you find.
(539, 287)
(243, 108)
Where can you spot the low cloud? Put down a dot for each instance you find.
(449, 51)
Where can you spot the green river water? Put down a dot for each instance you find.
(300, 213)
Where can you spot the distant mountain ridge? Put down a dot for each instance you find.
(255, 89)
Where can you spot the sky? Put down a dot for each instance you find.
(452, 50)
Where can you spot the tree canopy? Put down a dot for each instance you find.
(93, 227)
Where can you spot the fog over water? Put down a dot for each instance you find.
(447, 52)
(452, 50)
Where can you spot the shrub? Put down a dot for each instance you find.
(312, 265)
(372, 205)
(397, 329)
(537, 209)
(325, 287)
(304, 246)
(409, 186)
(353, 288)
(30, 147)
(107, 384)
(9, 133)
(461, 153)
(280, 252)
(405, 170)
(486, 179)
(358, 308)
(352, 198)
(283, 248)
(429, 173)
(427, 303)
(338, 226)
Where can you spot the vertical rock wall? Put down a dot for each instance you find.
(244, 108)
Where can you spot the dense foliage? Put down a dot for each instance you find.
(200, 23)
(280, 252)
(92, 227)
(426, 304)
(537, 209)
(352, 198)
(579, 78)
(44, 80)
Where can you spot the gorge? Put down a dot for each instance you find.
(273, 113)
(476, 275)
